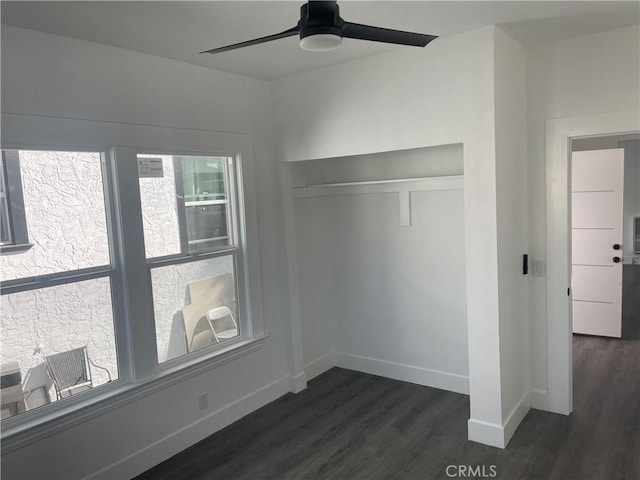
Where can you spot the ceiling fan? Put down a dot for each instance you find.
(321, 28)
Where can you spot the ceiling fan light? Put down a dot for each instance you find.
(320, 42)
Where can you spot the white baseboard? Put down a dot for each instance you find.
(319, 366)
(539, 399)
(406, 373)
(499, 435)
(516, 415)
(486, 433)
(157, 452)
(297, 383)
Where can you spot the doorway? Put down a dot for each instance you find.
(605, 198)
(558, 397)
(605, 265)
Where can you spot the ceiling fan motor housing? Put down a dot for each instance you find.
(320, 18)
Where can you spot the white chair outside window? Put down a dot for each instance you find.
(223, 324)
(209, 318)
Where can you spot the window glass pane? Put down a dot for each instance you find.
(207, 225)
(64, 206)
(159, 207)
(187, 198)
(56, 323)
(194, 305)
(203, 178)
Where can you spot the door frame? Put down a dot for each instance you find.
(560, 133)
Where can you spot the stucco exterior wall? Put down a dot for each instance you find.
(64, 208)
(160, 211)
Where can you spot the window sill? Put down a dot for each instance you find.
(22, 247)
(24, 433)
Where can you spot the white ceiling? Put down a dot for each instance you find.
(179, 30)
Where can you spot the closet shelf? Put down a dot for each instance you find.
(399, 185)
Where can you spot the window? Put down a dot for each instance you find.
(190, 241)
(121, 277)
(13, 223)
(57, 296)
(189, 196)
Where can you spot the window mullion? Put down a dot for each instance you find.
(134, 280)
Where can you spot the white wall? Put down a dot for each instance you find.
(411, 98)
(412, 163)
(316, 288)
(399, 296)
(580, 76)
(414, 98)
(55, 76)
(511, 159)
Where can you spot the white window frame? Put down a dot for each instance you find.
(235, 221)
(139, 372)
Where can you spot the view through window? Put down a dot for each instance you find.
(188, 214)
(56, 313)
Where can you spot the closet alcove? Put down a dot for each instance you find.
(380, 264)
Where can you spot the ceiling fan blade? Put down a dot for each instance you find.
(386, 35)
(287, 33)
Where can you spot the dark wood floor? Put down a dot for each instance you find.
(350, 425)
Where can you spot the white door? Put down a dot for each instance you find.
(597, 182)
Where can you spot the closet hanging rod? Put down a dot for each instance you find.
(380, 182)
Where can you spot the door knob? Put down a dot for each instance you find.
(616, 259)
(616, 246)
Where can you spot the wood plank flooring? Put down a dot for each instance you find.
(350, 425)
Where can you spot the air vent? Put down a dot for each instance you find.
(636, 235)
